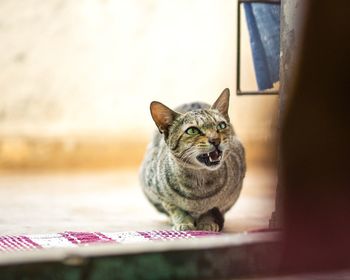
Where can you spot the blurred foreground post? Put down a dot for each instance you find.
(315, 144)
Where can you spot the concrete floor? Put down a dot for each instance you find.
(110, 201)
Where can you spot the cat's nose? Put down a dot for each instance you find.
(214, 141)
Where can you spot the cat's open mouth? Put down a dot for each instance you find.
(210, 159)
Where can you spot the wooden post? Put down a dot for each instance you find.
(291, 15)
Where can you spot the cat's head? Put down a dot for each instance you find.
(199, 138)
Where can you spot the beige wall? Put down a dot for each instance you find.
(90, 68)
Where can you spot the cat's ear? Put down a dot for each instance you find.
(221, 104)
(162, 116)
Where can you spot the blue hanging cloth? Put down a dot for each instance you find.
(263, 22)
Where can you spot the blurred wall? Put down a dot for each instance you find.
(79, 75)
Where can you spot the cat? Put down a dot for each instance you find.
(194, 168)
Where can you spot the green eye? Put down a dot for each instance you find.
(192, 131)
(222, 125)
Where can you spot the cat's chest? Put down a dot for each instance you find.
(201, 184)
(203, 198)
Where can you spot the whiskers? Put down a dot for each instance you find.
(188, 155)
(228, 149)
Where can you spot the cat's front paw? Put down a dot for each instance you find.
(184, 227)
(208, 227)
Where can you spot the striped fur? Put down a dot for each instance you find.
(194, 195)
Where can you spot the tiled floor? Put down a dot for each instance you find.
(110, 201)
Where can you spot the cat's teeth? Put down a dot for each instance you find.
(208, 155)
(213, 160)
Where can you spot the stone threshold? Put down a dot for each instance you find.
(215, 257)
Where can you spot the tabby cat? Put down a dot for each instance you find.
(194, 171)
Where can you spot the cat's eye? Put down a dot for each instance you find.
(192, 131)
(221, 125)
